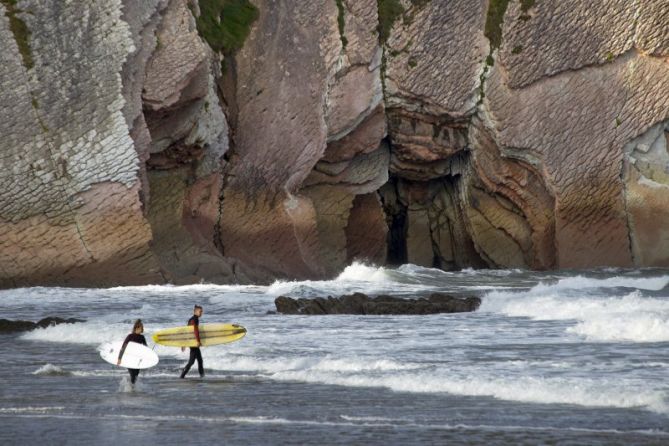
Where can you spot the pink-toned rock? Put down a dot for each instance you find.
(581, 154)
(178, 68)
(352, 98)
(364, 139)
(421, 75)
(554, 37)
(366, 231)
(277, 234)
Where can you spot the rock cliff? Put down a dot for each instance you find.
(234, 141)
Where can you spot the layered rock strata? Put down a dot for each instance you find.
(310, 121)
(452, 134)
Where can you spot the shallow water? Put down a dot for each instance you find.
(568, 358)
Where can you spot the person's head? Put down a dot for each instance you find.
(138, 327)
(197, 310)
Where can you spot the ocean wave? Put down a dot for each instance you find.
(357, 277)
(365, 273)
(631, 318)
(95, 332)
(430, 378)
(581, 391)
(625, 327)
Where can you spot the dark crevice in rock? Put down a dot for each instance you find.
(227, 93)
(396, 219)
(177, 155)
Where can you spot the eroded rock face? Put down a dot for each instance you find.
(308, 140)
(533, 139)
(551, 178)
(68, 160)
(77, 93)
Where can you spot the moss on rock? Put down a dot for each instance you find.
(494, 20)
(389, 12)
(225, 24)
(526, 5)
(20, 31)
(341, 22)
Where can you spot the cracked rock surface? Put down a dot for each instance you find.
(132, 152)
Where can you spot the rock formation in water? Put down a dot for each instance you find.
(359, 303)
(10, 326)
(176, 141)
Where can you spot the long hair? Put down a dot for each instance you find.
(138, 324)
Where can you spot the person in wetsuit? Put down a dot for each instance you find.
(195, 351)
(135, 336)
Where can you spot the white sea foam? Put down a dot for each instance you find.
(322, 364)
(94, 332)
(357, 275)
(635, 327)
(367, 273)
(522, 387)
(631, 317)
(125, 386)
(51, 370)
(187, 289)
(582, 392)
(581, 282)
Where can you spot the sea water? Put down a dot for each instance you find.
(558, 357)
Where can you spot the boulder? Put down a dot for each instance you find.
(10, 326)
(359, 303)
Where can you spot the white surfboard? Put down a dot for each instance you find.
(136, 356)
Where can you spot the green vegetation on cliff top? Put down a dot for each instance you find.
(493, 23)
(20, 31)
(495, 18)
(341, 22)
(389, 11)
(225, 24)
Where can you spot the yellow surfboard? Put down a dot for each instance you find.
(210, 334)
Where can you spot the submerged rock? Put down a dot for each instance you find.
(9, 326)
(359, 303)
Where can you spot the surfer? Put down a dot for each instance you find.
(135, 336)
(195, 351)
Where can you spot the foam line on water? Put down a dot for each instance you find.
(582, 392)
(185, 289)
(580, 282)
(30, 409)
(368, 372)
(322, 364)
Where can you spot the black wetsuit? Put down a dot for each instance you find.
(194, 351)
(132, 337)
